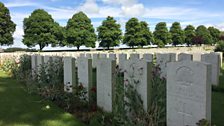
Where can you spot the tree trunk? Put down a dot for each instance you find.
(188, 45)
(108, 47)
(78, 47)
(41, 47)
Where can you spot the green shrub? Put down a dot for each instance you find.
(129, 110)
(23, 70)
(203, 122)
(9, 66)
(220, 46)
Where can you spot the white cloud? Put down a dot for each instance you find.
(90, 7)
(121, 2)
(178, 13)
(134, 10)
(220, 26)
(18, 34)
(20, 4)
(128, 7)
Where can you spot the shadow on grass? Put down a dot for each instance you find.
(18, 108)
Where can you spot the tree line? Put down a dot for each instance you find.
(41, 29)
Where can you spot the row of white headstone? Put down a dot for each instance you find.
(188, 82)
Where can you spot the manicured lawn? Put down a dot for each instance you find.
(17, 108)
(218, 102)
(218, 108)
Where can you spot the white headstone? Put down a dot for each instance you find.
(221, 56)
(188, 93)
(85, 74)
(112, 56)
(82, 55)
(122, 58)
(95, 59)
(34, 64)
(106, 79)
(162, 59)
(47, 59)
(134, 56)
(103, 55)
(148, 57)
(185, 56)
(40, 61)
(88, 55)
(69, 74)
(173, 57)
(138, 73)
(214, 60)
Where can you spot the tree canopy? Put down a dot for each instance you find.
(137, 33)
(177, 34)
(40, 29)
(145, 34)
(80, 31)
(190, 34)
(161, 34)
(7, 26)
(215, 33)
(203, 35)
(131, 36)
(109, 33)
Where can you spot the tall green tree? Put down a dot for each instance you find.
(132, 32)
(109, 33)
(221, 36)
(203, 34)
(145, 34)
(215, 33)
(80, 31)
(41, 29)
(7, 27)
(177, 34)
(161, 34)
(190, 34)
(137, 33)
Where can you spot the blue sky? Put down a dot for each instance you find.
(195, 12)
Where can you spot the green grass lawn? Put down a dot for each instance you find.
(218, 102)
(18, 108)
